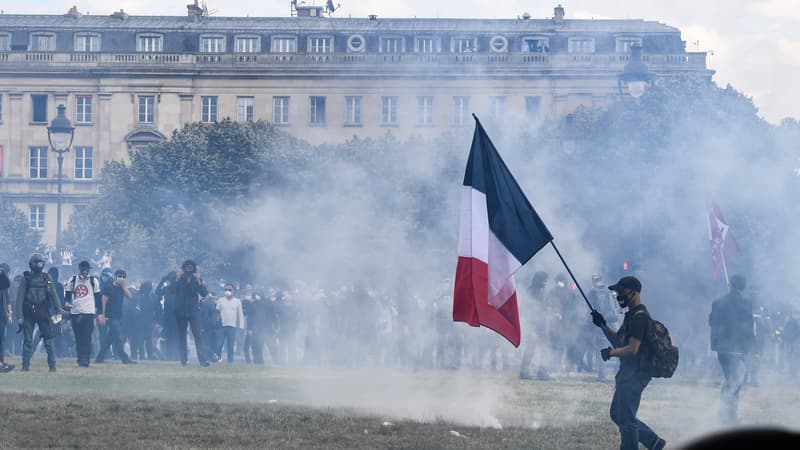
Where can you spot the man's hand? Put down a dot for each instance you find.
(101, 320)
(598, 319)
(68, 306)
(605, 353)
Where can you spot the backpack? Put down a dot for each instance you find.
(661, 360)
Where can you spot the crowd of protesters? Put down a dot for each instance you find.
(104, 314)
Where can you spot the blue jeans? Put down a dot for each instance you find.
(229, 334)
(625, 404)
(734, 370)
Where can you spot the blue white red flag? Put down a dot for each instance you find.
(499, 232)
(723, 244)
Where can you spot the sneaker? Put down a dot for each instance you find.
(205, 364)
(83, 364)
(25, 369)
(659, 445)
(52, 369)
(525, 376)
(5, 368)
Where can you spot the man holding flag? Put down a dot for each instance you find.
(718, 234)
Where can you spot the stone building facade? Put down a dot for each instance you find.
(129, 80)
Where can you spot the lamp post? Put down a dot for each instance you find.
(635, 77)
(60, 134)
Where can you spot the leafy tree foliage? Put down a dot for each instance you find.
(17, 240)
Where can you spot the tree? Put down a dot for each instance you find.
(18, 240)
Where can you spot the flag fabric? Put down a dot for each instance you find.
(499, 232)
(723, 244)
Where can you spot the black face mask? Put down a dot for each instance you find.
(188, 270)
(623, 300)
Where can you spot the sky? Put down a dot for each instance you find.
(755, 43)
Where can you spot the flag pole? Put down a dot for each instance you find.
(591, 308)
(725, 266)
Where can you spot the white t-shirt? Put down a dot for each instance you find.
(83, 294)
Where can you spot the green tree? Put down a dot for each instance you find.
(18, 240)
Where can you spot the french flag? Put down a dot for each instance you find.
(498, 233)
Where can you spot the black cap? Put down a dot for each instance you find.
(631, 283)
(85, 264)
(120, 273)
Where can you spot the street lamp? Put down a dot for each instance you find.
(60, 134)
(635, 77)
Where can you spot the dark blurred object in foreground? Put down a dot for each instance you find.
(772, 438)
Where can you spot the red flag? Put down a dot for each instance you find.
(723, 244)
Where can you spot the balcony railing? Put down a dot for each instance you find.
(549, 61)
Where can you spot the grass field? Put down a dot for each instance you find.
(163, 405)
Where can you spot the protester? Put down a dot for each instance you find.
(733, 338)
(631, 379)
(232, 317)
(5, 315)
(82, 298)
(35, 297)
(188, 288)
(111, 316)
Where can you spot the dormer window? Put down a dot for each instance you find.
(624, 44)
(43, 42)
(5, 42)
(498, 44)
(150, 43)
(248, 44)
(356, 43)
(427, 44)
(581, 45)
(87, 42)
(284, 44)
(535, 44)
(320, 44)
(212, 44)
(392, 44)
(463, 45)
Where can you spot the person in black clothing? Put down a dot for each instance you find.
(168, 324)
(733, 338)
(212, 327)
(35, 297)
(5, 314)
(188, 289)
(111, 315)
(631, 379)
(152, 313)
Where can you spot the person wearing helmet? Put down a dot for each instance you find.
(36, 295)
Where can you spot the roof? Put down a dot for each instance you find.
(208, 23)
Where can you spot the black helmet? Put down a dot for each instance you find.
(189, 263)
(84, 264)
(36, 263)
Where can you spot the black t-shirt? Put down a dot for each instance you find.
(114, 302)
(635, 324)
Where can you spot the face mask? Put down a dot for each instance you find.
(84, 274)
(623, 300)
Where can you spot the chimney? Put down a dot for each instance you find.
(558, 13)
(121, 15)
(373, 17)
(194, 11)
(73, 12)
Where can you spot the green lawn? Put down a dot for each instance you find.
(163, 405)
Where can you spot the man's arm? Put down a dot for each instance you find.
(629, 350)
(103, 303)
(55, 297)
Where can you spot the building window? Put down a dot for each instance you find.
(147, 104)
(352, 110)
(425, 110)
(280, 110)
(624, 44)
(581, 45)
(320, 44)
(43, 42)
(83, 163)
(150, 43)
(83, 108)
(392, 45)
(208, 109)
(37, 217)
(498, 44)
(535, 45)
(497, 108)
(463, 45)
(87, 42)
(356, 43)
(388, 110)
(39, 107)
(1, 109)
(284, 44)
(38, 162)
(460, 110)
(316, 110)
(212, 44)
(244, 109)
(427, 45)
(533, 108)
(248, 44)
(5, 42)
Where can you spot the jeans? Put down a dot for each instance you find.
(82, 328)
(229, 335)
(47, 334)
(189, 320)
(734, 369)
(625, 404)
(113, 337)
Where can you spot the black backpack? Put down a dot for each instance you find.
(661, 359)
